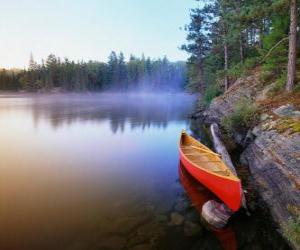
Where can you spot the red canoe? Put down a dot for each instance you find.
(208, 168)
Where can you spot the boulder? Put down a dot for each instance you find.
(274, 161)
(287, 111)
(192, 229)
(176, 219)
(273, 157)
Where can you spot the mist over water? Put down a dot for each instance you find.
(101, 171)
(73, 164)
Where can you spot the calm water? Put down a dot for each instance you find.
(102, 172)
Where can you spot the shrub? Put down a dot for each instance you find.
(279, 84)
(251, 63)
(236, 71)
(266, 77)
(210, 93)
(240, 69)
(297, 88)
(243, 117)
(291, 230)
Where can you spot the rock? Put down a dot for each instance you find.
(297, 114)
(192, 229)
(287, 111)
(137, 239)
(274, 161)
(192, 215)
(273, 157)
(124, 225)
(176, 219)
(113, 243)
(146, 233)
(269, 125)
(161, 218)
(151, 230)
(264, 117)
(142, 247)
(181, 206)
(223, 105)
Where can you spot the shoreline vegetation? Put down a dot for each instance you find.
(244, 59)
(57, 75)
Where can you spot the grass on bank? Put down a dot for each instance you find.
(243, 117)
(210, 93)
(291, 231)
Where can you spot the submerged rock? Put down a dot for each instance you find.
(113, 243)
(124, 225)
(192, 229)
(181, 206)
(272, 155)
(176, 219)
(142, 247)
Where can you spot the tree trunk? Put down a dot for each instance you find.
(221, 149)
(226, 83)
(261, 34)
(241, 47)
(291, 75)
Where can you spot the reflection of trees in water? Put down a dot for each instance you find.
(200, 132)
(137, 111)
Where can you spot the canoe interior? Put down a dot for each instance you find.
(202, 157)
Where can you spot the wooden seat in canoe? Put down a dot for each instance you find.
(209, 169)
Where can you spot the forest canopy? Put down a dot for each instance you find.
(136, 74)
(227, 38)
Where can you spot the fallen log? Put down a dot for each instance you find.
(215, 213)
(221, 149)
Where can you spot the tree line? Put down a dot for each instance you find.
(227, 37)
(117, 74)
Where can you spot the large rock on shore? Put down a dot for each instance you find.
(273, 156)
(274, 162)
(243, 88)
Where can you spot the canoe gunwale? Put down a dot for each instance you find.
(231, 177)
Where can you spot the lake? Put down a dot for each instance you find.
(101, 171)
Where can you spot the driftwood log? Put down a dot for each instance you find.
(215, 213)
(221, 149)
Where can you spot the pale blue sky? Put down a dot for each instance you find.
(90, 29)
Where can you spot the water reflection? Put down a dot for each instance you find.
(138, 110)
(199, 195)
(90, 171)
(74, 168)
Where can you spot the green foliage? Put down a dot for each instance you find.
(279, 84)
(291, 230)
(290, 124)
(277, 61)
(297, 88)
(236, 71)
(116, 74)
(266, 76)
(243, 117)
(210, 93)
(241, 69)
(249, 29)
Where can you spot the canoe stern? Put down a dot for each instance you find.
(228, 190)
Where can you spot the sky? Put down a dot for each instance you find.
(91, 29)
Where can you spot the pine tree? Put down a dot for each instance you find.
(291, 75)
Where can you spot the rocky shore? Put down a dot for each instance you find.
(271, 149)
